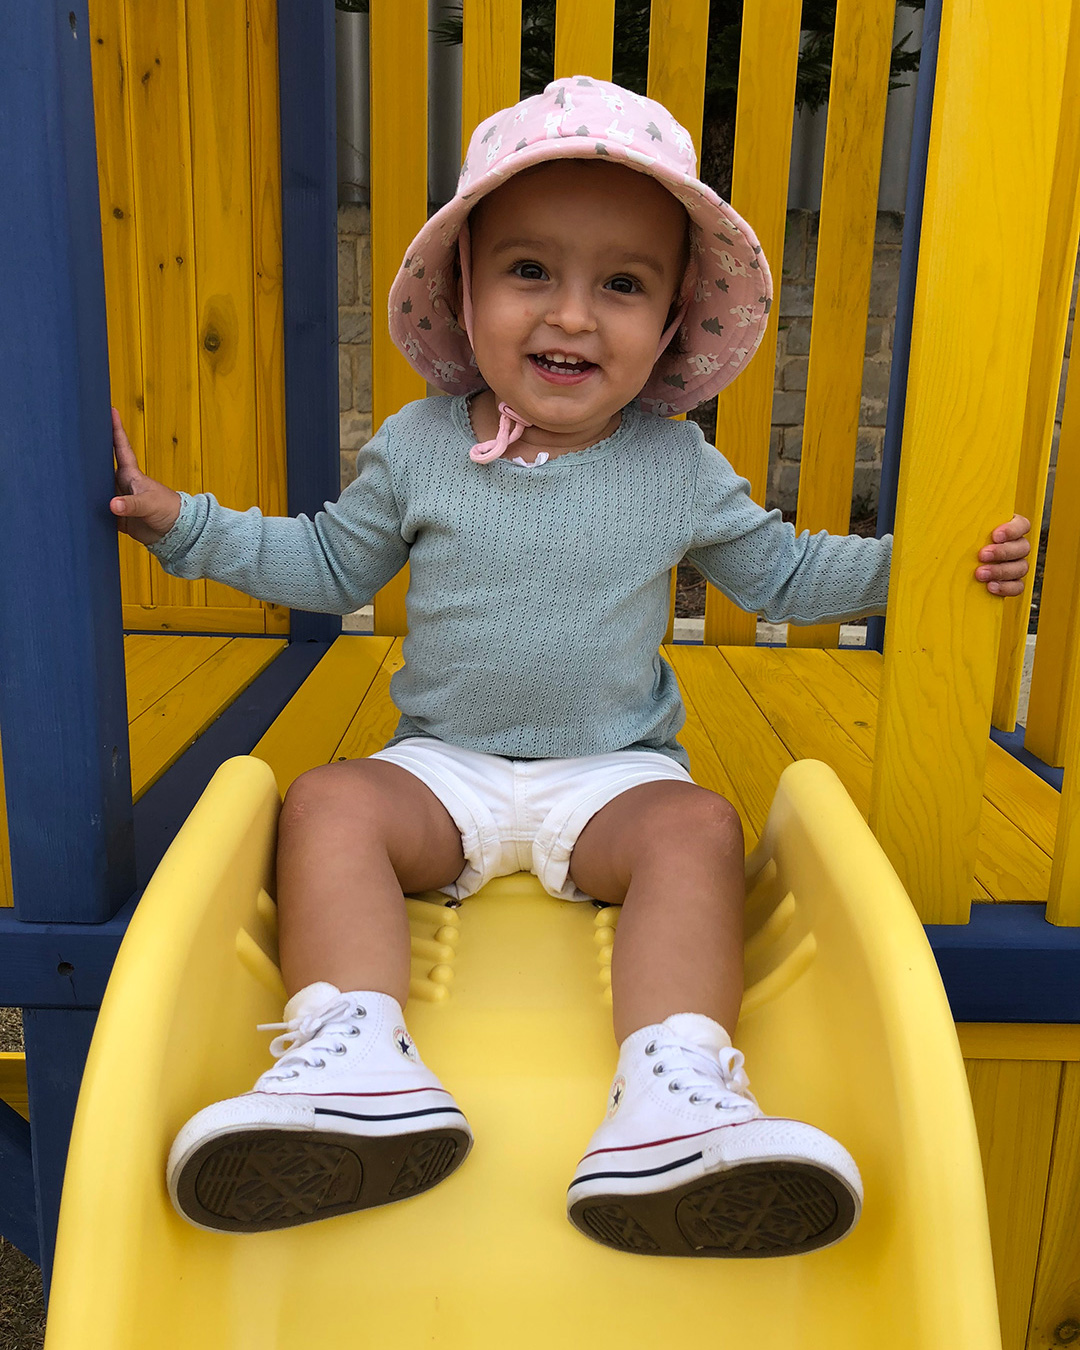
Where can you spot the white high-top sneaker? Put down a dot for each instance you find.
(347, 1119)
(687, 1164)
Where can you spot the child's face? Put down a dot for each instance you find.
(581, 260)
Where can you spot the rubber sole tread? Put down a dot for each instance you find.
(253, 1181)
(755, 1210)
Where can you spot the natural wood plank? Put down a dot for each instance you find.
(154, 665)
(1064, 900)
(768, 61)
(584, 36)
(110, 70)
(266, 263)
(749, 749)
(206, 619)
(966, 388)
(1019, 1040)
(398, 63)
(1052, 679)
(310, 727)
(1051, 320)
(1055, 1311)
(678, 43)
(161, 148)
(161, 734)
(858, 91)
(221, 217)
(1014, 1104)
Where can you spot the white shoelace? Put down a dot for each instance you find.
(302, 1031)
(708, 1078)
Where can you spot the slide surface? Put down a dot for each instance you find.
(845, 1024)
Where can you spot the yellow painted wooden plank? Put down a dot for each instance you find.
(7, 895)
(678, 43)
(1055, 1311)
(752, 754)
(1013, 859)
(206, 619)
(217, 39)
(584, 36)
(1019, 1040)
(376, 717)
(1059, 628)
(266, 262)
(491, 61)
(161, 149)
(966, 393)
(112, 125)
(398, 61)
(1015, 1104)
(165, 730)
(13, 1082)
(1064, 900)
(154, 665)
(768, 60)
(858, 92)
(309, 728)
(1051, 320)
(706, 766)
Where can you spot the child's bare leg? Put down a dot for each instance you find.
(353, 836)
(672, 853)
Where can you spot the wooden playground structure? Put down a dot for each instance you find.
(201, 137)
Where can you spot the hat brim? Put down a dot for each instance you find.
(725, 319)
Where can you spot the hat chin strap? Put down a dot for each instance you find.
(512, 424)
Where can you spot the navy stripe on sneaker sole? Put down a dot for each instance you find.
(643, 1172)
(252, 1181)
(754, 1210)
(396, 1115)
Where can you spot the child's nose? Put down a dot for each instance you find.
(572, 311)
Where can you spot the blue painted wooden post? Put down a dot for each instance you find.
(905, 299)
(308, 82)
(62, 697)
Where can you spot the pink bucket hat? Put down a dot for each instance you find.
(726, 293)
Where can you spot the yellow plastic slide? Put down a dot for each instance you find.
(845, 1024)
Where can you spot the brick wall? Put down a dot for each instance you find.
(792, 352)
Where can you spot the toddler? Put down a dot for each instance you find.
(581, 286)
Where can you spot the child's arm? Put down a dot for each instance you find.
(757, 559)
(332, 564)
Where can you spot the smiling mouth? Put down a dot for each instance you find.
(566, 369)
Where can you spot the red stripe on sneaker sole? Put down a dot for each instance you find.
(678, 1138)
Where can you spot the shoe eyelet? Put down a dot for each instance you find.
(293, 1073)
(673, 1086)
(319, 1064)
(353, 1031)
(694, 1099)
(339, 1050)
(650, 1049)
(658, 1069)
(360, 1012)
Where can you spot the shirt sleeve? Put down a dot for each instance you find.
(760, 563)
(333, 564)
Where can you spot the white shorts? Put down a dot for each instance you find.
(523, 815)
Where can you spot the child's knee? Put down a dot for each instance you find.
(695, 820)
(328, 790)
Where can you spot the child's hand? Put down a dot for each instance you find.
(1008, 556)
(146, 509)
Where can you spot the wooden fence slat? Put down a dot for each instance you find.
(1051, 321)
(221, 219)
(398, 63)
(161, 145)
(1055, 1310)
(1059, 629)
(1064, 902)
(768, 62)
(858, 92)
(961, 437)
(584, 38)
(112, 126)
(491, 61)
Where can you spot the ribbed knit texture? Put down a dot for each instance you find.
(538, 597)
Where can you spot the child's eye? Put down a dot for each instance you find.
(528, 271)
(624, 285)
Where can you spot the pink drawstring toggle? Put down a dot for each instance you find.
(486, 451)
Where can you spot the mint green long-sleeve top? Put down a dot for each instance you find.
(538, 596)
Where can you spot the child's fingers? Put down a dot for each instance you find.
(1013, 529)
(1006, 587)
(125, 456)
(1011, 571)
(1005, 552)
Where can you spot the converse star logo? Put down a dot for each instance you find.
(618, 1091)
(404, 1043)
